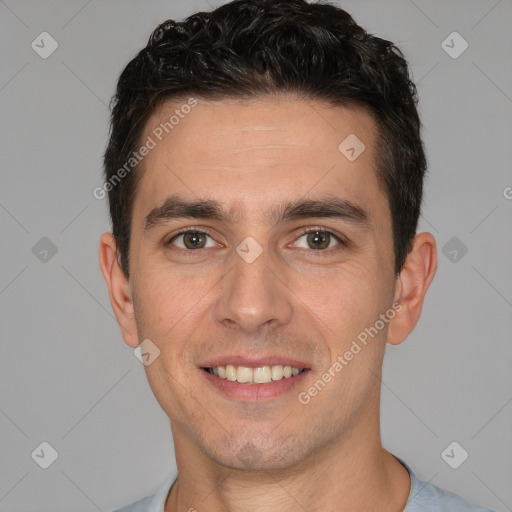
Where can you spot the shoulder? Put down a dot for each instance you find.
(426, 497)
(154, 503)
(138, 506)
(431, 498)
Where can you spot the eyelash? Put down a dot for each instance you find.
(202, 231)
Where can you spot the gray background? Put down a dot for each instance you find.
(66, 376)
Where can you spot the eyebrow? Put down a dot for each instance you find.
(175, 207)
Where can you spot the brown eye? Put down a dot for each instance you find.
(191, 240)
(319, 239)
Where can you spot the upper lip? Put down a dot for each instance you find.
(253, 362)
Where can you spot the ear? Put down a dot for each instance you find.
(118, 288)
(411, 287)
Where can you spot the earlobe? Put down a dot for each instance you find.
(119, 289)
(412, 285)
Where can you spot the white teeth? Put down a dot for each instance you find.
(230, 372)
(244, 374)
(260, 375)
(277, 372)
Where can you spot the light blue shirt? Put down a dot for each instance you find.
(423, 497)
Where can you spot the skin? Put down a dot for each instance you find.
(294, 300)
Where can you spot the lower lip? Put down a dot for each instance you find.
(254, 392)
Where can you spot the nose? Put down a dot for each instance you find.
(253, 295)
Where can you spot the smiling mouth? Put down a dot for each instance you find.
(259, 375)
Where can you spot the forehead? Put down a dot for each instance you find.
(246, 153)
(274, 123)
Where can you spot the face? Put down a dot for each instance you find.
(254, 283)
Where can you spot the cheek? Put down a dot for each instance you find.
(166, 294)
(344, 308)
(166, 309)
(168, 313)
(344, 300)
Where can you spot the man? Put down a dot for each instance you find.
(265, 173)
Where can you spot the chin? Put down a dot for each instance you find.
(258, 454)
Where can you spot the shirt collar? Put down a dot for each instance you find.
(157, 504)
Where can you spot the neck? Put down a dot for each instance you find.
(355, 473)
